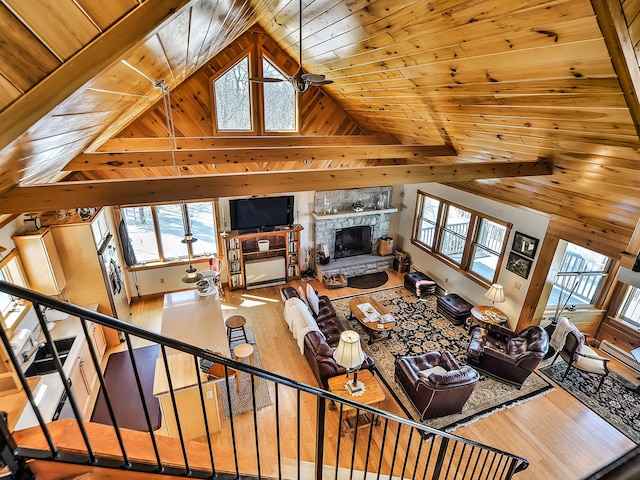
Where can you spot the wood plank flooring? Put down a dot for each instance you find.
(558, 435)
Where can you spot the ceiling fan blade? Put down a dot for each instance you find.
(312, 77)
(265, 80)
(323, 82)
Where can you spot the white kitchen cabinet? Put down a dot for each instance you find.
(83, 378)
(97, 338)
(41, 262)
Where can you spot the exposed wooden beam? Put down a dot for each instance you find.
(614, 28)
(117, 145)
(77, 194)
(106, 49)
(265, 153)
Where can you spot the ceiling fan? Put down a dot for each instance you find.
(300, 80)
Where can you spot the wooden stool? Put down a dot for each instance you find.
(241, 352)
(235, 324)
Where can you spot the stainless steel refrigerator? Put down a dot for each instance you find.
(114, 278)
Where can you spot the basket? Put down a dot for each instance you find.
(263, 245)
(386, 246)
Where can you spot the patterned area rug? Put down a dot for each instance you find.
(420, 329)
(243, 401)
(615, 402)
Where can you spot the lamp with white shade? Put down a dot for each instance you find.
(349, 354)
(495, 294)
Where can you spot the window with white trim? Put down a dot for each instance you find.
(630, 308)
(156, 231)
(580, 277)
(469, 241)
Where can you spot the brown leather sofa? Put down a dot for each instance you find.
(507, 355)
(433, 393)
(318, 349)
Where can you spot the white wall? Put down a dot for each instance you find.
(524, 221)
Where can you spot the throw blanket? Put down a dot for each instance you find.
(299, 319)
(560, 335)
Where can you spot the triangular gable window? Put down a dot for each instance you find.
(279, 101)
(231, 93)
(242, 106)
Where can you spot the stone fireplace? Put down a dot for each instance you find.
(352, 241)
(334, 216)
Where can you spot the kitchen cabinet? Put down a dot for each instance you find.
(83, 377)
(9, 382)
(97, 338)
(41, 262)
(78, 243)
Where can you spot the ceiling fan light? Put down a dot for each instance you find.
(312, 77)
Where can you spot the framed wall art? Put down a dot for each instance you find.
(519, 265)
(525, 245)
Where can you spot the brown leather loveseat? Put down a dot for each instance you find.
(507, 355)
(435, 383)
(318, 349)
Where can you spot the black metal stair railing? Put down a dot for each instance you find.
(256, 444)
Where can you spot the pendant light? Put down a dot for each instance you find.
(192, 275)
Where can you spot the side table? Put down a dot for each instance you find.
(484, 315)
(373, 395)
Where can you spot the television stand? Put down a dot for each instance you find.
(242, 247)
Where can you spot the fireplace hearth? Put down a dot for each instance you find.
(352, 241)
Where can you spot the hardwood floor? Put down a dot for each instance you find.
(559, 436)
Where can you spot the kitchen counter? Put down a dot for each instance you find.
(49, 387)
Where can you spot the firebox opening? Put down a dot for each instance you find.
(352, 241)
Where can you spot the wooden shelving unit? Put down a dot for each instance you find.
(243, 247)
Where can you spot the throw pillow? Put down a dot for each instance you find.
(427, 373)
(303, 295)
(312, 298)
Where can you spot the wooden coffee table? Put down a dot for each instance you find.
(371, 320)
(373, 395)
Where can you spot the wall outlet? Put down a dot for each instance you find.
(517, 285)
(162, 280)
(209, 394)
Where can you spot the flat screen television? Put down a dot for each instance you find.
(261, 213)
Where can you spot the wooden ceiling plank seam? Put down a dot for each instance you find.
(89, 61)
(623, 57)
(438, 44)
(61, 25)
(546, 14)
(56, 196)
(105, 14)
(33, 60)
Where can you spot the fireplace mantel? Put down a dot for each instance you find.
(351, 213)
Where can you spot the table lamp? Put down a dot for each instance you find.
(349, 354)
(495, 294)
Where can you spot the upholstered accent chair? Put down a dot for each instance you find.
(583, 357)
(435, 383)
(507, 355)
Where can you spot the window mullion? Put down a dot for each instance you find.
(470, 241)
(156, 231)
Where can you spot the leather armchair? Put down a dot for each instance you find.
(435, 383)
(507, 355)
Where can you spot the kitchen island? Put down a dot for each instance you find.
(197, 320)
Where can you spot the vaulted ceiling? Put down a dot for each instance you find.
(528, 102)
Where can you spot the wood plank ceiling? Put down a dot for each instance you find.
(510, 86)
